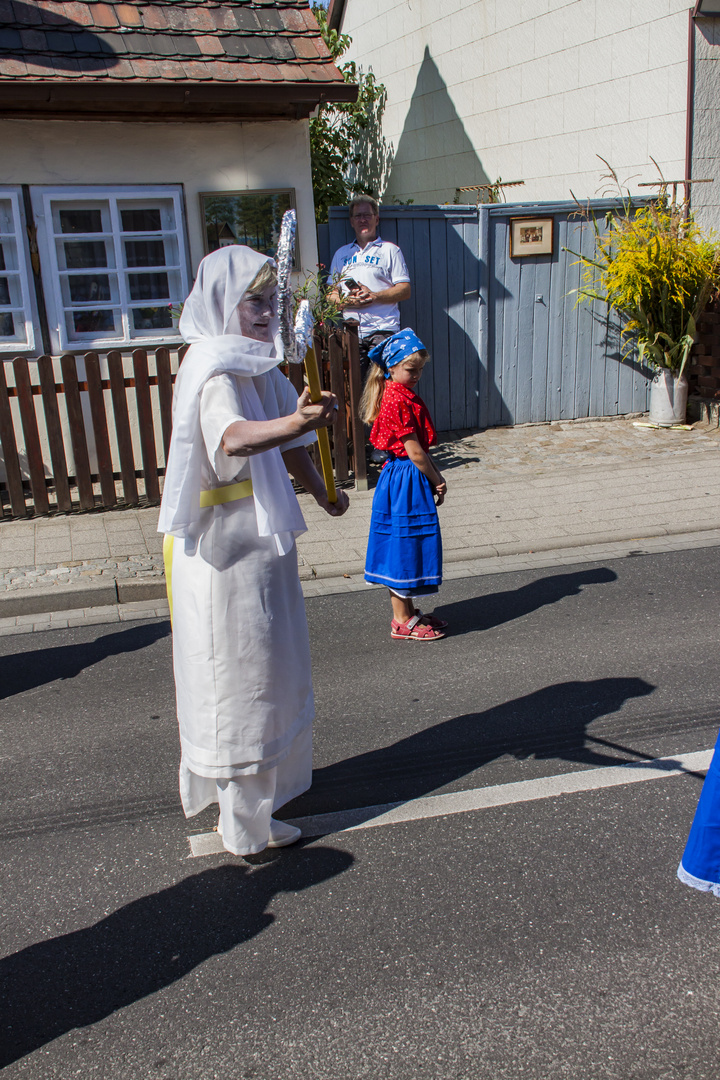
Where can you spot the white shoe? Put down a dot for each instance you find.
(282, 834)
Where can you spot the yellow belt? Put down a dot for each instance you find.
(214, 497)
(228, 493)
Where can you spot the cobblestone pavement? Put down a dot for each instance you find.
(511, 491)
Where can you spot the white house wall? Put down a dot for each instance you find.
(525, 90)
(201, 157)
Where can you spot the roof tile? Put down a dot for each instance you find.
(144, 44)
(58, 41)
(270, 20)
(38, 66)
(122, 69)
(96, 66)
(293, 20)
(33, 39)
(10, 40)
(306, 49)
(155, 17)
(104, 15)
(210, 45)
(280, 48)
(232, 72)
(186, 45)
(79, 13)
(197, 71)
(128, 15)
(14, 68)
(144, 69)
(180, 18)
(269, 72)
(244, 18)
(52, 7)
(237, 46)
(223, 18)
(23, 13)
(67, 66)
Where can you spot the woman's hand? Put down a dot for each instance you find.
(311, 416)
(440, 492)
(336, 509)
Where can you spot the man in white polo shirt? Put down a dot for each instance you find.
(374, 278)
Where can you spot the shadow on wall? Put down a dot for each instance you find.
(434, 155)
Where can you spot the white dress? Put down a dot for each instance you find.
(240, 643)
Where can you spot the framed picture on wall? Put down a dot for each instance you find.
(252, 218)
(531, 236)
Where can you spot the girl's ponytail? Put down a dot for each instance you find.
(372, 394)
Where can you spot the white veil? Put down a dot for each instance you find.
(211, 325)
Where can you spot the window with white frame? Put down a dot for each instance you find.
(114, 264)
(16, 324)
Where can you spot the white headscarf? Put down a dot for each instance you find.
(210, 323)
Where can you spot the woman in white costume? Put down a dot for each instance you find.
(240, 642)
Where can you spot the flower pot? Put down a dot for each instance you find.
(668, 398)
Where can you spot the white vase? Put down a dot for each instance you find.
(668, 398)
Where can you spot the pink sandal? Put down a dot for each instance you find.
(414, 630)
(431, 620)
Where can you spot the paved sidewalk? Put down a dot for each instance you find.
(512, 494)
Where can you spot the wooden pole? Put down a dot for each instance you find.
(313, 377)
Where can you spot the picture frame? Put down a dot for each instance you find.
(531, 236)
(252, 217)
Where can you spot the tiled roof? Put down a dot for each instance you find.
(170, 41)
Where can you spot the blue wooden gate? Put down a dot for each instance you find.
(509, 344)
(547, 357)
(440, 245)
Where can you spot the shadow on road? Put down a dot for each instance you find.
(549, 723)
(80, 978)
(23, 671)
(482, 613)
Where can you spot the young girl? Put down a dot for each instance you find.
(404, 549)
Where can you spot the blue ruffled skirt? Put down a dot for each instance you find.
(404, 548)
(700, 866)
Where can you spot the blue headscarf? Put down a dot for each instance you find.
(395, 349)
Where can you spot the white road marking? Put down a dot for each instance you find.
(461, 802)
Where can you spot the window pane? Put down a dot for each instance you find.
(148, 286)
(80, 221)
(141, 220)
(85, 254)
(4, 291)
(144, 253)
(2, 259)
(7, 326)
(84, 288)
(152, 318)
(93, 322)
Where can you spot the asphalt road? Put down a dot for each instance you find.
(547, 939)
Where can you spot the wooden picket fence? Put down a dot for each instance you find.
(93, 432)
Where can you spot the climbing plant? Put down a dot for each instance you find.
(348, 153)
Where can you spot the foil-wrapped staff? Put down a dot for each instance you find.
(284, 259)
(298, 339)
